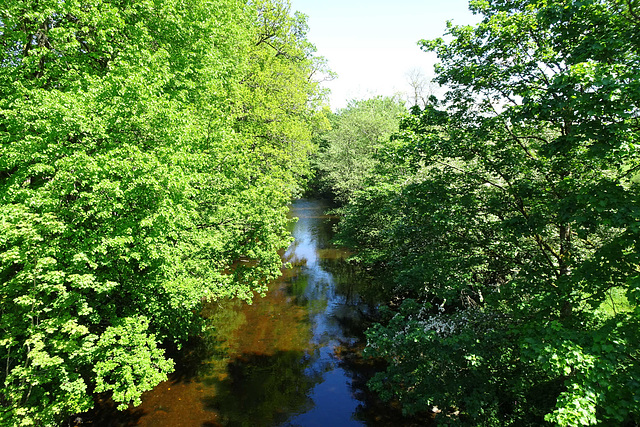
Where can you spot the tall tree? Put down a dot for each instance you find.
(127, 197)
(518, 223)
(278, 103)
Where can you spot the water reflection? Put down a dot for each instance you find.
(262, 390)
(315, 288)
(289, 359)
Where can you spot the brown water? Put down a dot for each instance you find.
(289, 359)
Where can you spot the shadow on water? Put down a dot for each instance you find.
(263, 390)
(292, 358)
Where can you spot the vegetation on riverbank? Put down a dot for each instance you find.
(148, 151)
(504, 219)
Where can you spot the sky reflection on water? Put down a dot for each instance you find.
(273, 362)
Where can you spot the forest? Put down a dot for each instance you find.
(149, 151)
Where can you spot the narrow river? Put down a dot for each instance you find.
(286, 360)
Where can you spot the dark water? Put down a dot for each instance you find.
(289, 359)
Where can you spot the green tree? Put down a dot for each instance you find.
(512, 219)
(127, 194)
(347, 155)
(278, 102)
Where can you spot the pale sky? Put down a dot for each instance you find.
(372, 44)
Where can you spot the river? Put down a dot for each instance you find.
(289, 359)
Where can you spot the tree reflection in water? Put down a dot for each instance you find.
(291, 358)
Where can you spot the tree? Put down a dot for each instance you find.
(517, 224)
(127, 197)
(421, 88)
(279, 100)
(347, 155)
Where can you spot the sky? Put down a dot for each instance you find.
(372, 44)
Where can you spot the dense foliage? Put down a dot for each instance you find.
(347, 155)
(148, 150)
(506, 221)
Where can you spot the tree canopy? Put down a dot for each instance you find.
(505, 220)
(148, 150)
(347, 154)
